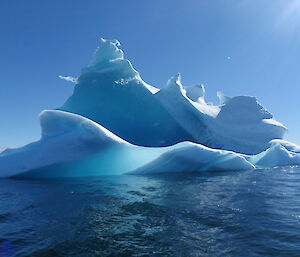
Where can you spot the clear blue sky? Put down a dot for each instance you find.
(43, 39)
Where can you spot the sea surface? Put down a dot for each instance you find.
(250, 213)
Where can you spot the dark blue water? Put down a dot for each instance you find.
(253, 213)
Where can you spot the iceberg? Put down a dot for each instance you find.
(115, 123)
(112, 93)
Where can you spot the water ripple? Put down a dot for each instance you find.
(251, 213)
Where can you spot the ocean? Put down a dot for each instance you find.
(247, 213)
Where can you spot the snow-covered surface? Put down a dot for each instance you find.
(115, 123)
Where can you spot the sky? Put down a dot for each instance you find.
(239, 47)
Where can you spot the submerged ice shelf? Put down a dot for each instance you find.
(115, 123)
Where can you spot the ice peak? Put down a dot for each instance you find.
(174, 83)
(175, 80)
(107, 50)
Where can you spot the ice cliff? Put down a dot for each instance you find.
(115, 123)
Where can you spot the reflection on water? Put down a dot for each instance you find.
(252, 213)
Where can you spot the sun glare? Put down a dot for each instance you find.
(293, 9)
(289, 18)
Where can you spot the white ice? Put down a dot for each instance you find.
(115, 123)
(112, 93)
(72, 145)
